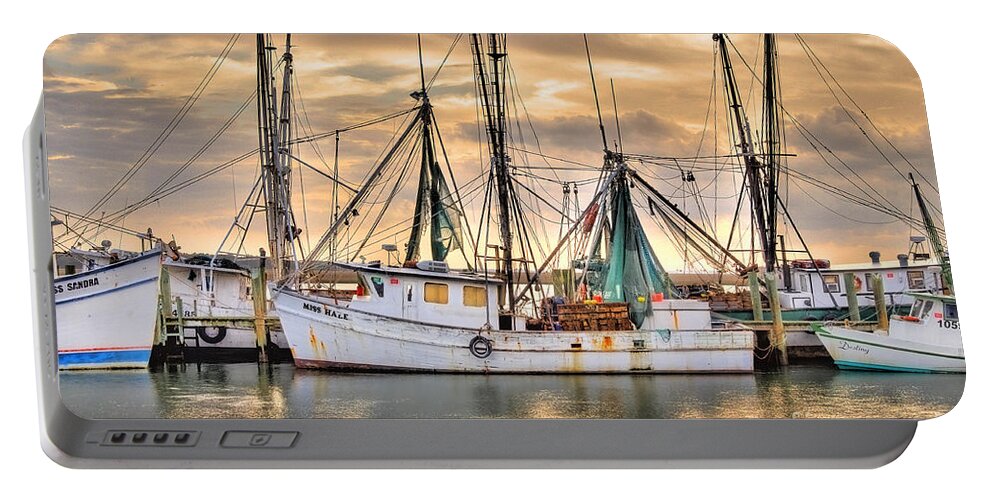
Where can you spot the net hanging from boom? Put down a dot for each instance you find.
(634, 274)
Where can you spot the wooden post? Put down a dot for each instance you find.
(179, 316)
(259, 300)
(753, 286)
(777, 336)
(853, 298)
(879, 294)
(165, 306)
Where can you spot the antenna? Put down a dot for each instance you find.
(420, 61)
(596, 98)
(617, 120)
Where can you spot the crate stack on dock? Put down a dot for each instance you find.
(594, 317)
(732, 301)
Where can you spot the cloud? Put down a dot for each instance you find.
(109, 96)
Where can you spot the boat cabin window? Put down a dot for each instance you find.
(377, 285)
(362, 288)
(951, 311)
(831, 283)
(868, 282)
(436, 293)
(915, 279)
(915, 311)
(927, 308)
(803, 284)
(473, 296)
(410, 293)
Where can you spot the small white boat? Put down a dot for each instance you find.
(106, 316)
(926, 340)
(407, 319)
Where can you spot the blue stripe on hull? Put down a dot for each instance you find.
(110, 359)
(854, 365)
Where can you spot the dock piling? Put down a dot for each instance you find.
(259, 301)
(753, 286)
(165, 307)
(778, 334)
(854, 314)
(879, 295)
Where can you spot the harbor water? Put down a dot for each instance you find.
(248, 390)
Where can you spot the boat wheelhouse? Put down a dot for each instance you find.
(819, 284)
(220, 294)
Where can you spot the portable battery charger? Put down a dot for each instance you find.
(486, 250)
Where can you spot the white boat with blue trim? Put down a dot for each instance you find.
(106, 316)
(928, 339)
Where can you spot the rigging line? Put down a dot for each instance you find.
(804, 132)
(67, 214)
(455, 185)
(866, 115)
(843, 216)
(303, 202)
(527, 115)
(316, 146)
(600, 194)
(374, 174)
(563, 160)
(401, 178)
(367, 123)
(189, 182)
(191, 100)
(844, 108)
(557, 210)
(206, 146)
(907, 219)
(385, 235)
(515, 96)
(120, 214)
(451, 48)
(324, 174)
(525, 172)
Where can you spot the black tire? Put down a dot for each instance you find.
(480, 347)
(212, 339)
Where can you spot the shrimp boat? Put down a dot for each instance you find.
(421, 315)
(926, 340)
(215, 294)
(106, 315)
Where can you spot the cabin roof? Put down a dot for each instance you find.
(942, 298)
(216, 269)
(408, 271)
(868, 266)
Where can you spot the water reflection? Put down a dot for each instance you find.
(281, 391)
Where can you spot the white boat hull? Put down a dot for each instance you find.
(858, 350)
(324, 335)
(106, 318)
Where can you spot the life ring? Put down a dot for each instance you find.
(858, 282)
(480, 347)
(222, 332)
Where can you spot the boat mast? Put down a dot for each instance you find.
(935, 239)
(761, 194)
(772, 129)
(275, 128)
(491, 87)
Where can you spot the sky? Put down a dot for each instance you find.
(109, 97)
